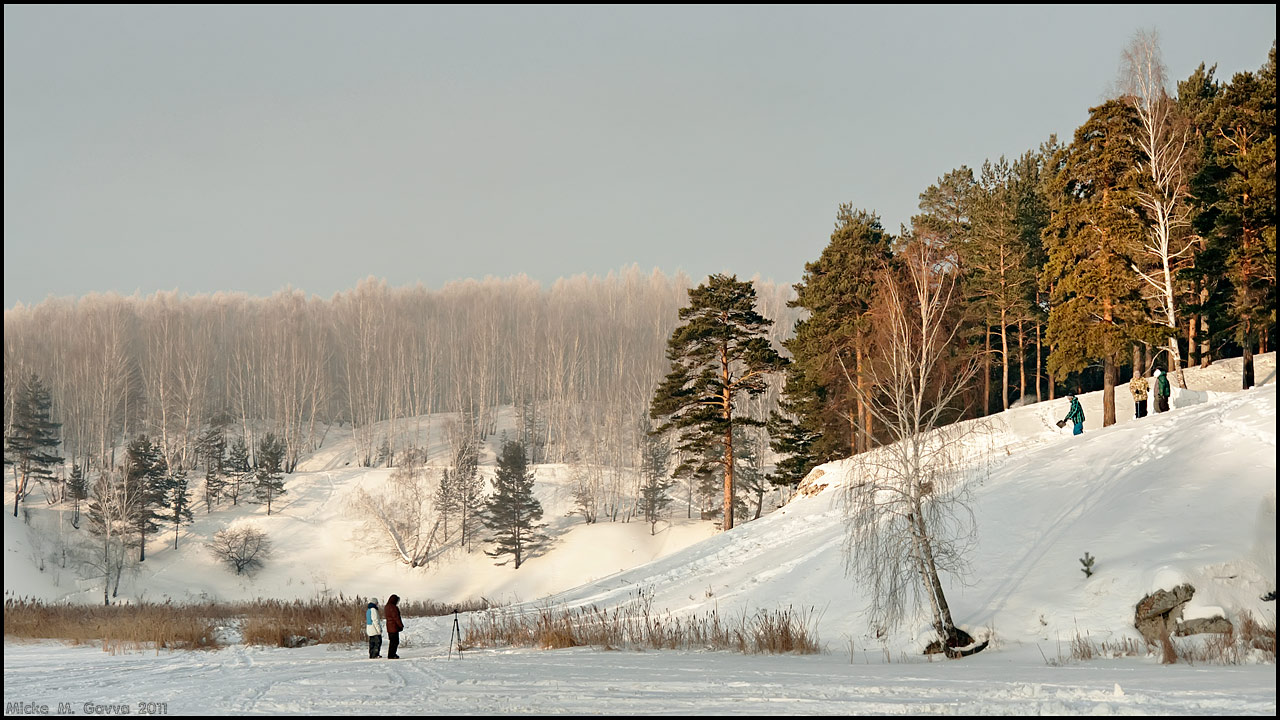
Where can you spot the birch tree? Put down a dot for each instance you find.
(1164, 140)
(907, 520)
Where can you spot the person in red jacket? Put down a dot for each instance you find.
(394, 626)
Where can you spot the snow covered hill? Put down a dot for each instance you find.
(1188, 496)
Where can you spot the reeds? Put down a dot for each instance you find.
(195, 626)
(635, 625)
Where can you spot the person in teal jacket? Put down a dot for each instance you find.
(1075, 415)
(1162, 392)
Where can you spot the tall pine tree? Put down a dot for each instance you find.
(1240, 200)
(720, 353)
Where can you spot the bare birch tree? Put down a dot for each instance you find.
(403, 513)
(1164, 141)
(907, 518)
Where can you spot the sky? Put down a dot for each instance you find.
(1186, 496)
(250, 149)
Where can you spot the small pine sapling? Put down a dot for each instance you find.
(1087, 562)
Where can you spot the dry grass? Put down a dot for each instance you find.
(276, 623)
(636, 626)
(1249, 642)
(118, 628)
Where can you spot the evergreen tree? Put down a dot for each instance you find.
(78, 486)
(655, 483)
(1239, 196)
(175, 504)
(512, 512)
(269, 478)
(446, 500)
(212, 449)
(1206, 275)
(996, 262)
(1095, 232)
(830, 348)
(33, 440)
(719, 353)
(237, 468)
(144, 479)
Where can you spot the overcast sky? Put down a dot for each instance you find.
(254, 148)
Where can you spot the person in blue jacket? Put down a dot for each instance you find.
(1075, 415)
(373, 628)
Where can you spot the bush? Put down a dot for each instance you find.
(243, 547)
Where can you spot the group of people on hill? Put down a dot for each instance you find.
(1138, 387)
(373, 628)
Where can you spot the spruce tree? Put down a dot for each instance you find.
(269, 478)
(1094, 235)
(719, 354)
(33, 440)
(512, 512)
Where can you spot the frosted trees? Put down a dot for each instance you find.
(244, 547)
(906, 518)
(404, 513)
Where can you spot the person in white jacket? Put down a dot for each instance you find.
(373, 628)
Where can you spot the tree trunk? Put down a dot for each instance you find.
(1004, 363)
(1108, 392)
(986, 372)
(1246, 376)
(1039, 367)
(1137, 361)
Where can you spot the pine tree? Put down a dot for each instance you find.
(175, 503)
(996, 262)
(144, 473)
(212, 449)
(721, 352)
(655, 483)
(269, 478)
(78, 486)
(237, 468)
(512, 512)
(1093, 237)
(832, 344)
(33, 438)
(1240, 195)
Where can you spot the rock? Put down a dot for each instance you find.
(1195, 626)
(1157, 615)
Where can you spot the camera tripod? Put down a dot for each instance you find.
(455, 633)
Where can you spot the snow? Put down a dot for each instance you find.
(1187, 496)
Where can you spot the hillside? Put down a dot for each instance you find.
(1188, 496)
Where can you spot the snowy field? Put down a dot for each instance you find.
(1187, 496)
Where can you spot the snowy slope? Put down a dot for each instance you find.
(1187, 496)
